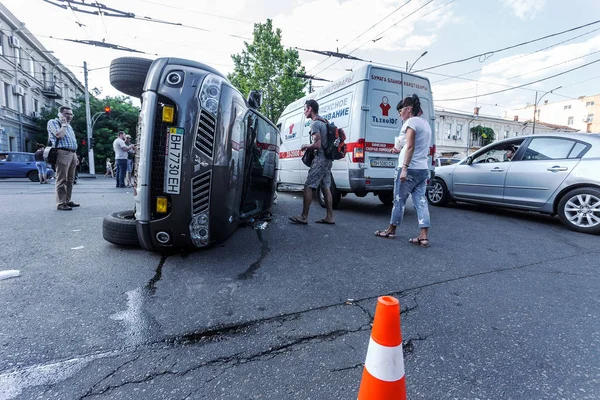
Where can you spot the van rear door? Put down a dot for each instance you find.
(383, 122)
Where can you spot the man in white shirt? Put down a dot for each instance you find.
(121, 150)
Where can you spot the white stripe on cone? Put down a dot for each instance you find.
(385, 363)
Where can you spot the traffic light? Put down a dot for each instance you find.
(92, 143)
(107, 111)
(83, 142)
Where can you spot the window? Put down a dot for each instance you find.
(589, 103)
(23, 104)
(567, 107)
(36, 105)
(506, 134)
(44, 76)
(18, 56)
(579, 150)
(32, 66)
(549, 149)
(570, 121)
(1, 44)
(7, 95)
(498, 153)
(590, 118)
(459, 129)
(449, 131)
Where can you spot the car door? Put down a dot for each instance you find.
(4, 165)
(482, 179)
(539, 171)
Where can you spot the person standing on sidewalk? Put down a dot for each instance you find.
(62, 136)
(412, 171)
(319, 174)
(121, 149)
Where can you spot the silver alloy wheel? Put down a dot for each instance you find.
(583, 210)
(436, 192)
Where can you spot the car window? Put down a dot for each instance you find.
(579, 150)
(3, 157)
(494, 154)
(548, 149)
(19, 158)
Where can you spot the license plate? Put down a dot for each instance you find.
(384, 162)
(173, 162)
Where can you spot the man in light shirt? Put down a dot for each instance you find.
(121, 149)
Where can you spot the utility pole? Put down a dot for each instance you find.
(88, 119)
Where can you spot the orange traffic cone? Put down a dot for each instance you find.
(383, 375)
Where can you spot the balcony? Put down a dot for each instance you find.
(51, 91)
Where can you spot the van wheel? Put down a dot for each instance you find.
(438, 194)
(128, 74)
(120, 228)
(336, 195)
(579, 210)
(386, 198)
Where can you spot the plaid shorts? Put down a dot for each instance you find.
(319, 173)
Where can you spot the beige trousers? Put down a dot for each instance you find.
(66, 162)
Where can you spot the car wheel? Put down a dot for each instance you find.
(386, 198)
(120, 228)
(438, 194)
(579, 210)
(33, 176)
(128, 74)
(336, 195)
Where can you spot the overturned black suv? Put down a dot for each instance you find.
(206, 159)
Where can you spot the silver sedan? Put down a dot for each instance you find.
(557, 174)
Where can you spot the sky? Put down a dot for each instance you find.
(392, 33)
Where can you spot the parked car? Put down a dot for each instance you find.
(206, 159)
(18, 165)
(443, 161)
(555, 174)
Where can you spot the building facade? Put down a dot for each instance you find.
(453, 137)
(582, 114)
(31, 79)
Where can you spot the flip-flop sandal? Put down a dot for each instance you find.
(385, 234)
(297, 220)
(324, 221)
(419, 242)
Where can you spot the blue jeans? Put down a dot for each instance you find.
(121, 170)
(416, 186)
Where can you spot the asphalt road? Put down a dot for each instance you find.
(502, 305)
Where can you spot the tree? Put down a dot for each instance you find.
(265, 65)
(123, 116)
(487, 135)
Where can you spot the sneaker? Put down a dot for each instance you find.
(63, 207)
(71, 204)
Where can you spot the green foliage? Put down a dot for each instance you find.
(123, 116)
(486, 134)
(265, 65)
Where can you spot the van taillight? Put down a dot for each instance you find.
(358, 151)
(432, 151)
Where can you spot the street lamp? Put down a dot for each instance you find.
(408, 69)
(536, 104)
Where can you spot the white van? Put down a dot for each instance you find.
(363, 103)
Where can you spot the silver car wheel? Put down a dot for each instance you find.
(436, 192)
(583, 210)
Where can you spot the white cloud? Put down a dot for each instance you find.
(525, 9)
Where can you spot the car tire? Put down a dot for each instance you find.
(33, 176)
(336, 196)
(128, 75)
(386, 198)
(572, 212)
(120, 228)
(438, 194)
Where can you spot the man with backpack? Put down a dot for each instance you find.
(319, 174)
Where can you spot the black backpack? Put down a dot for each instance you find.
(336, 141)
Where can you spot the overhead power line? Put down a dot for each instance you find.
(488, 54)
(98, 43)
(101, 9)
(523, 85)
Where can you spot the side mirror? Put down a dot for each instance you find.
(255, 98)
(469, 160)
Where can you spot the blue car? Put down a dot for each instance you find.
(22, 165)
(18, 165)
